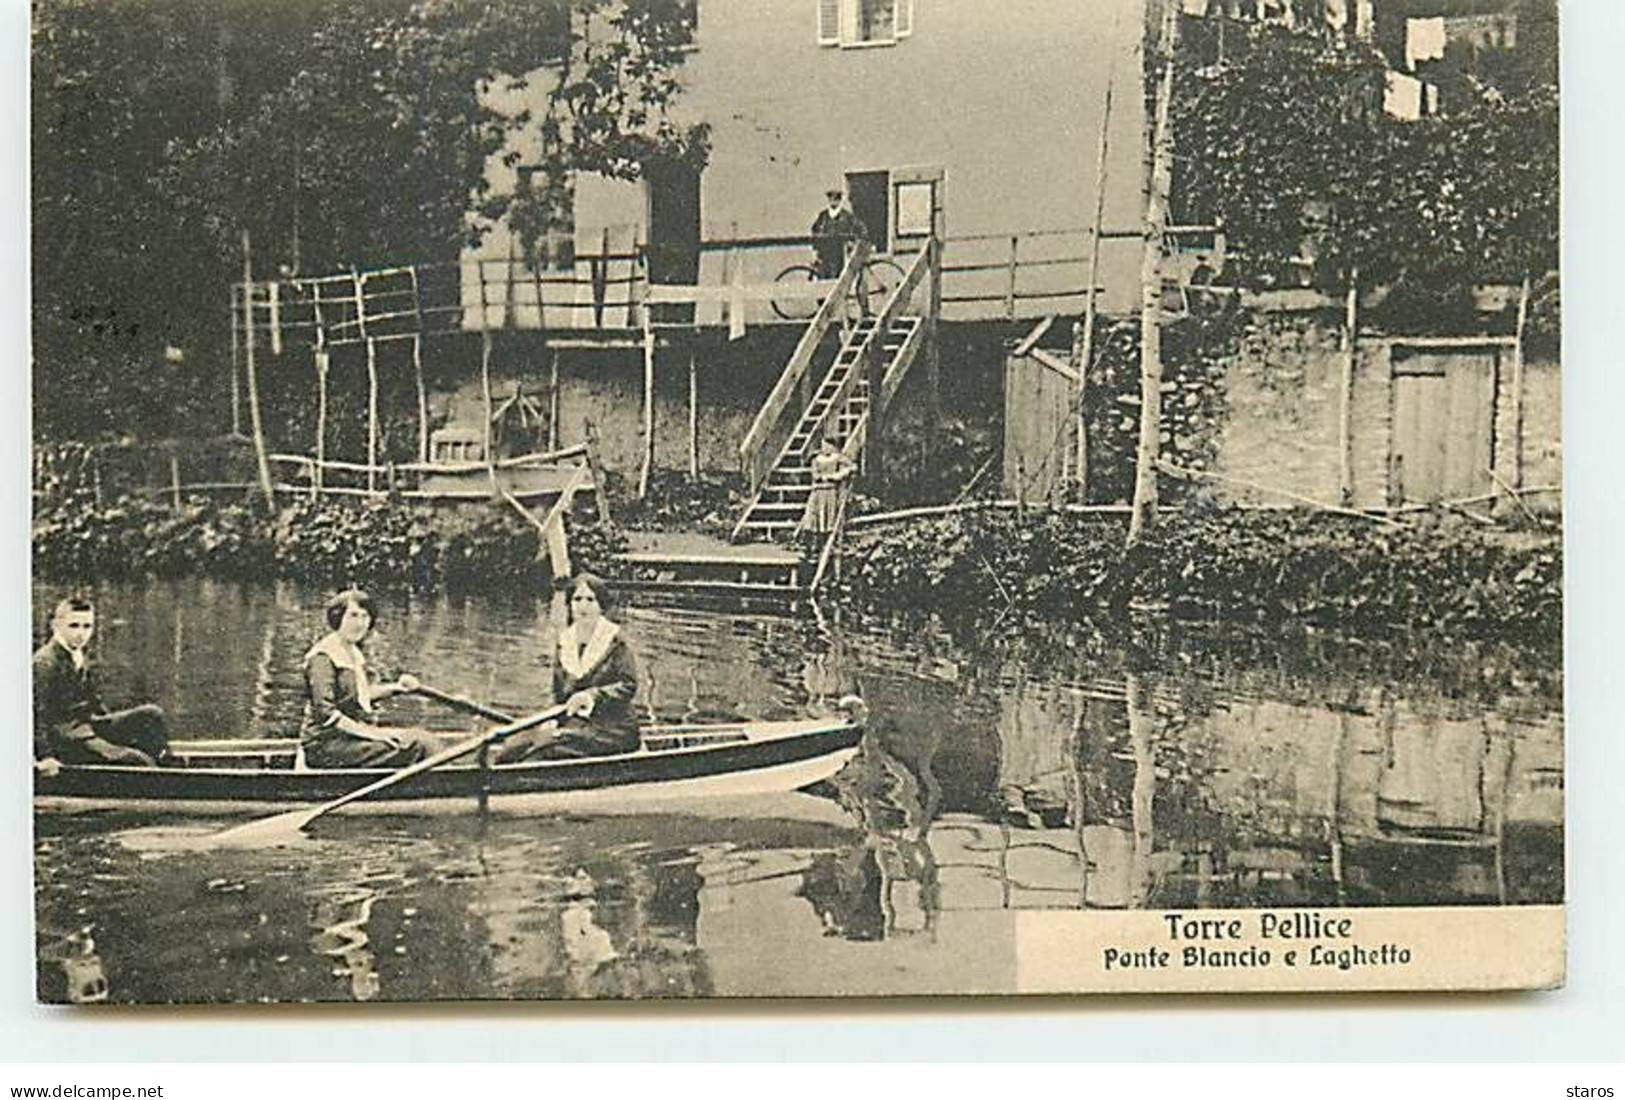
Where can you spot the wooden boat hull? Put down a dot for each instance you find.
(771, 757)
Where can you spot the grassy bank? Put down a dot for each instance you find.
(1342, 573)
(332, 543)
(1433, 578)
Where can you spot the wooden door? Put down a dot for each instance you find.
(1037, 429)
(1443, 425)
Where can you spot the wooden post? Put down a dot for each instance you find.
(322, 360)
(236, 357)
(258, 427)
(1144, 514)
(1010, 287)
(1345, 395)
(372, 415)
(553, 401)
(1142, 802)
(933, 317)
(1083, 345)
(417, 369)
(693, 412)
(358, 281)
(175, 481)
(323, 363)
(485, 393)
(423, 397)
(648, 405)
(1086, 354)
(1517, 386)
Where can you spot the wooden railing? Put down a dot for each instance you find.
(770, 430)
(985, 276)
(314, 476)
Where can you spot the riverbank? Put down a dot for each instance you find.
(374, 542)
(1430, 576)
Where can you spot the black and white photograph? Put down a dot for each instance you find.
(625, 499)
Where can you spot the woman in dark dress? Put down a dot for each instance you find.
(341, 730)
(596, 678)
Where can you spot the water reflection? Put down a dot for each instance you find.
(997, 775)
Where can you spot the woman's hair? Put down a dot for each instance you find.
(350, 597)
(594, 584)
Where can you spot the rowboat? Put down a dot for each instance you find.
(225, 777)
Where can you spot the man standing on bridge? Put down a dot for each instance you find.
(834, 230)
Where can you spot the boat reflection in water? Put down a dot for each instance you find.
(340, 924)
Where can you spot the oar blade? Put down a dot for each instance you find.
(277, 831)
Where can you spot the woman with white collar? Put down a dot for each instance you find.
(596, 678)
(341, 729)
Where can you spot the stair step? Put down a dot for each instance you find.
(792, 509)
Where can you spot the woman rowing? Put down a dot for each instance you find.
(596, 678)
(341, 730)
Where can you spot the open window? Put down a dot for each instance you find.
(853, 23)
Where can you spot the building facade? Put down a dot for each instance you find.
(991, 113)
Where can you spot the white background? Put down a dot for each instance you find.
(1582, 1022)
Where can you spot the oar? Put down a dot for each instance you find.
(463, 703)
(283, 827)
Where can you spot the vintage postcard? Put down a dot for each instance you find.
(778, 498)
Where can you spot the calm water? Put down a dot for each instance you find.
(1176, 769)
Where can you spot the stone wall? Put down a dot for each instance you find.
(1281, 426)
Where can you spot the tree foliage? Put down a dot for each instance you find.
(336, 133)
(1285, 138)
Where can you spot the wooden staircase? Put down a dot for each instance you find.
(838, 411)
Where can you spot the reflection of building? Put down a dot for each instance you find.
(1256, 800)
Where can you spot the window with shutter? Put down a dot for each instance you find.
(829, 22)
(864, 22)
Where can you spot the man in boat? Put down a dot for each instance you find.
(71, 726)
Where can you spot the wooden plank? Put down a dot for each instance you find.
(1030, 341)
(683, 294)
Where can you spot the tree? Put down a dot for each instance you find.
(1286, 141)
(335, 133)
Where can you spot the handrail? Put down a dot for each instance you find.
(754, 445)
(576, 451)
